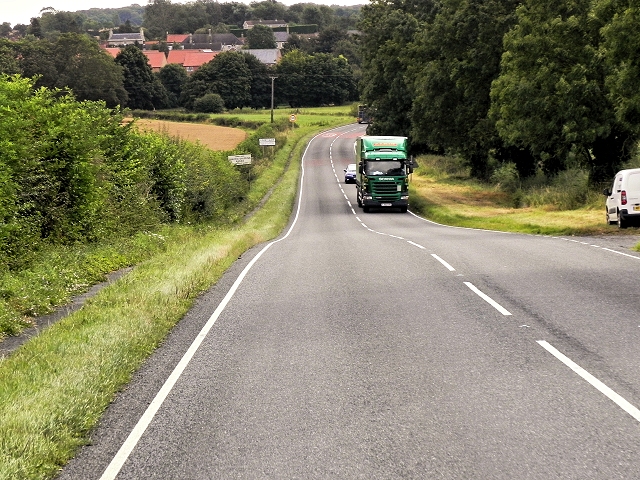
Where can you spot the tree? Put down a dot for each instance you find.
(268, 10)
(459, 54)
(261, 36)
(260, 82)
(227, 75)
(173, 76)
(143, 87)
(388, 30)
(88, 70)
(620, 46)
(328, 38)
(549, 96)
(314, 80)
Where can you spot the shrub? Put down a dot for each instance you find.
(209, 103)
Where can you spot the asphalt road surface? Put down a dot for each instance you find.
(381, 346)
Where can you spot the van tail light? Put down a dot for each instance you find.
(623, 197)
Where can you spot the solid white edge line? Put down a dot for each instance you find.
(449, 267)
(621, 253)
(488, 299)
(132, 440)
(601, 387)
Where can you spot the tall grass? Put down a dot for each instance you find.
(443, 191)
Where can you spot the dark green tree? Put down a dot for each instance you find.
(35, 28)
(459, 54)
(143, 87)
(8, 58)
(260, 82)
(620, 46)
(387, 31)
(261, 36)
(268, 10)
(314, 80)
(329, 38)
(174, 77)
(88, 70)
(550, 96)
(227, 75)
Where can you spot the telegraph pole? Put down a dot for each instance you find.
(272, 80)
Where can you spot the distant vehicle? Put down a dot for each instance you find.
(623, 199)
(350, 173)
(363, 114)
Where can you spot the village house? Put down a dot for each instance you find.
(124, 39)
(249, 24)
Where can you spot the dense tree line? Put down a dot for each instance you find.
(537, 84)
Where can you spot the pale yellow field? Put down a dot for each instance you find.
(211, 136)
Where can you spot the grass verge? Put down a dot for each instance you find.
(54, 389)
(454, 199)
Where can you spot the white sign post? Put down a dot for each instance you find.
(267, 142)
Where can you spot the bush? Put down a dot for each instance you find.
(506, 177)
(209, 103)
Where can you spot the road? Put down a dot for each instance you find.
(382, 345)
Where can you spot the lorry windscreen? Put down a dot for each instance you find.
(384, 167)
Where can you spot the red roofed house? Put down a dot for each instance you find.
(156, 58)
(176, 38)
(191, 60)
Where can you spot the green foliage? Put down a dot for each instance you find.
(144, 89)
(261, 36)
(209, 103)
(173, 76)
(461, 52)
(384, 86)
(314, 80)
(227, 74)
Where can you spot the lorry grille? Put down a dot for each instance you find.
(386, 189)
(382, 188)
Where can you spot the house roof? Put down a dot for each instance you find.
(114, 51)
(281, 36)
(177, 37)
(268, 56)
(249, 24)
(157, 59)
(190, 58)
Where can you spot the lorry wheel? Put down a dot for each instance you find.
(403, 209)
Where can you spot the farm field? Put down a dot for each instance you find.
(211, 136)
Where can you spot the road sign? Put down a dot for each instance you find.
(267, 142)
(240, 159)
(292, 118)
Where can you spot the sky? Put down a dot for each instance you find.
(21, 11)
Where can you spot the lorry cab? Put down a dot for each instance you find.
(623, 198)
(383, 168)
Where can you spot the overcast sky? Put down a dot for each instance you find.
(21, 11)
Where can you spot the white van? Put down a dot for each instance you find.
(623, 199)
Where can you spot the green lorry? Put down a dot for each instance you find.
(383, 166)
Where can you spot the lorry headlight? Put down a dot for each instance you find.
(368, 197)
(404, 197)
